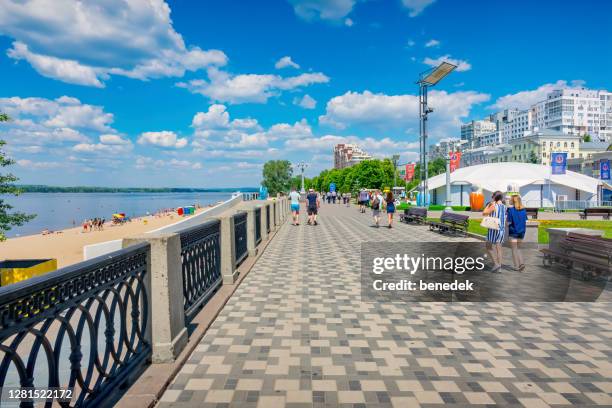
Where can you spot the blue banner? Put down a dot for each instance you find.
(604, 169)
(332, 187)
(558, 161)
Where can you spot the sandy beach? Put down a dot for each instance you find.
(67, 245)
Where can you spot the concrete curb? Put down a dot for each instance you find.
(149, 387)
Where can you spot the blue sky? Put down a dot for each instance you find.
(201, 94)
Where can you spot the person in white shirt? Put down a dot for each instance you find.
(294, 196)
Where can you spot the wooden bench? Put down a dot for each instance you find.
(601, 212)
(414, 214)
(532, 212)
(450, 222)
(592, 254)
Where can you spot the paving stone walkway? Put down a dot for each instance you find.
(296, 334)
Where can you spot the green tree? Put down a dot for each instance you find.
(586, 138)
(277, 176)
(8, 219)
(533, 158)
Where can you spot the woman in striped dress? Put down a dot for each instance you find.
(495, 238)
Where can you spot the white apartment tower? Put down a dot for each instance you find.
(476, 128)
(346, 155)
(578, 112)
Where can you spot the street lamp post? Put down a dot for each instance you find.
(426, 79)
(450, 148)
(302, 166)
(395, 159)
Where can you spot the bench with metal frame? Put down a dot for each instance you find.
(532, 212)
(592, 254)
(601, 212)
(450, 222)
(414, 214)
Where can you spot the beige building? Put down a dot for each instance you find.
(536, 147)
(346, 155)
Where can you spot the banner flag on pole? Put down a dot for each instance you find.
(604, 169)
(409, 172)
(558, 163)
(455, 160)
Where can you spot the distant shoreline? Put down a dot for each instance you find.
(31, 188)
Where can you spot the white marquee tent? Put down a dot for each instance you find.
(535, 183)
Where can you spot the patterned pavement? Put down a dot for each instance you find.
(296, 334)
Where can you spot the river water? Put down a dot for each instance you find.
(56, 211)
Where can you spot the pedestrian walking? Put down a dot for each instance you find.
(362, 198)
(495, 211)
(348, 199)
(333, 196)
(294, 196)
(313, 206)
(377, 202)
(517, 225)
(390, 201)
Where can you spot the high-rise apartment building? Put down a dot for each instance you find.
(476, 128)
(346, 155)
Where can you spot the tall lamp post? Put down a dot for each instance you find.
(428, 78)
(450, 148)
(302, 166)
(395, 158)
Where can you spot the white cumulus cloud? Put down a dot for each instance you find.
(524, 99)
(461, 64)
(333, 10)
(416, 7)
(400, 111)
(306, 102)
(432, 43)
(256, 88)
(163, 138)
(286, 62)
(84, 42)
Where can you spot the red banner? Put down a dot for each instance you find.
(409, 172)
(455, 160)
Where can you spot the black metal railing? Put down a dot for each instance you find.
(257, 225)
(83, 327)
(240, 237)
(268, 218)
(201, 264)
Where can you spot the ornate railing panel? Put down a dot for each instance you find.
(257, 226)
(84, 327)
(268, 218)
(240, 236)
(201, 264)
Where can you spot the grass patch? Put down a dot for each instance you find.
(543, 225)
(605, 226)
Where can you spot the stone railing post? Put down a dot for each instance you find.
(277, 212)
(264, 229)
(169, 333)
(228, 250)
(251, 244)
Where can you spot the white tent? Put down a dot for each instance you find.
(534, 182)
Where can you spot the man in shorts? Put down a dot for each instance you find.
(313, 206)
(294, 196)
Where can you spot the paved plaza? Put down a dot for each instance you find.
(296, 334)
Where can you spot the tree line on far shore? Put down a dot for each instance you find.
(278, 176)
